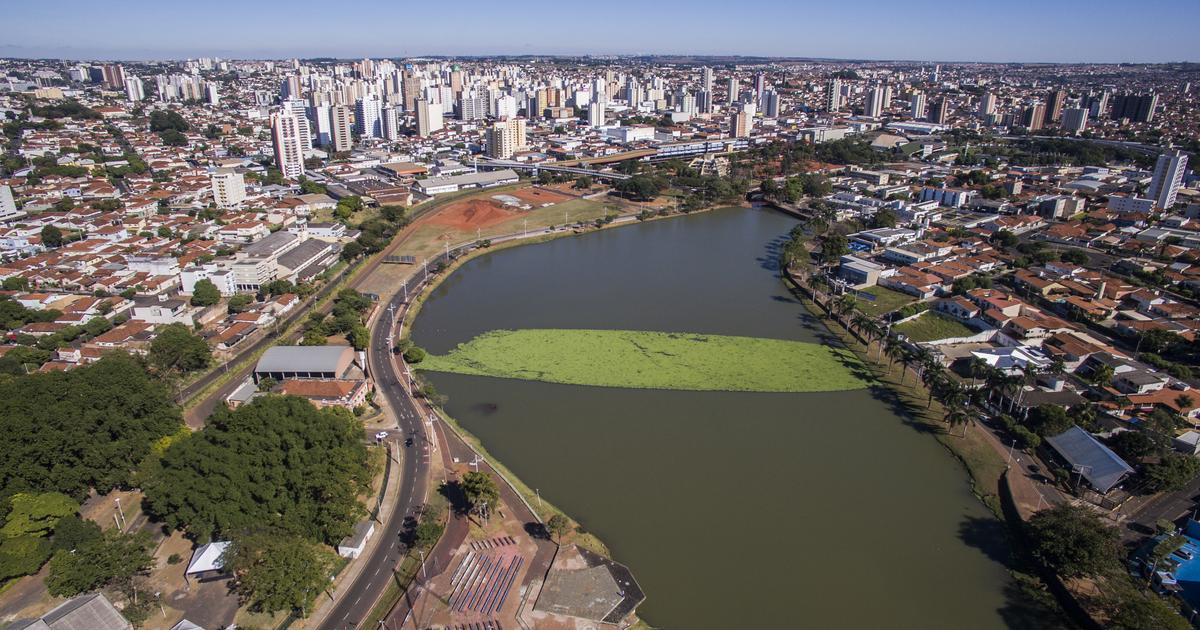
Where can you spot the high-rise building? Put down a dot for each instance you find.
(833, 94)
(917, 105)
(939, 112)
(741, 121)
(289, 151)
(1097, 104)
(706, 79)
(339, 128)
(505, 107)
(599, 90)
(770, 103)
(1033, 117)
(412, 90)
(429, 117)
(228, 187)
(987, 104)
(113, 76)
(1168, 177)
(389, 122)
(704, 101)
(289, 88)
(211, 94)
(760, 88)
(1074, 119)
(368, 111)
(731, 90)
(8, 205)
(874, 104)
(472, 106)
(506, 137)
(134, 89)
(1138, 108)
(596, 114)
(1054, 107)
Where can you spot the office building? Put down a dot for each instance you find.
(506, 137)
(289, 151)
(1168, 177)
(228, 187)
(429, 117)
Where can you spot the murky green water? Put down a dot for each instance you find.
(734, 510)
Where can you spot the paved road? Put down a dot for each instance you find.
(360, 596)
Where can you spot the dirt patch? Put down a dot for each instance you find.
(539, 196)
(471, 214)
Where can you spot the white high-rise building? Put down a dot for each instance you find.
(211, 94)
(8, 205)
(505, 107)
(339, 128)
(731, 90)
(321, 125)
(1168, 177)
(874, 105)
(917, 105)
(596, 114)
(599, 91)
(472, 106)
(367, 117)
(228, 187)
(770, 103)
(706, 79)
(390, 122)
(289, 147)
(429, 117)
(741, 121)
(505, 138)
(134, 89)
(833, 95)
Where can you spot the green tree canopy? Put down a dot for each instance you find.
(113, 560)
(277, 462)
(176, 348)
(87, 428)
(1073, 541)
(52, 236)
(277, 572)
(205, 293)
(34, 514)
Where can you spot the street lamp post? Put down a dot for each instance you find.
(1010, 454)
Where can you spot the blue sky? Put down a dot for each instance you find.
(943, 30)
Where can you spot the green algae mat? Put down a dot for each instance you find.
(654, 360)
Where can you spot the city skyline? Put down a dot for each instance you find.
(1064, 31)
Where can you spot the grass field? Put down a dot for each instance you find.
(886, 301)
(654, 360)
(932, 326)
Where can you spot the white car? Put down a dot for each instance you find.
(382, 435)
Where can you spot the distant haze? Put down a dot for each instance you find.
(944, 30)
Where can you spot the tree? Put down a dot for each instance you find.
(22, 555)
(1133, 445)
(1004, 238)
(885, 218)
(313, 337)
(277, 572)
(359, 337)
(71, 532)
(52, 236)
(162, 120)
(414, 354)
(1073, 541)
(240, 302)
(1050, 420)
(558, 526)
(428, 531)
(481, 492)
(833, 247)
(112, 560)
(1172, 472)
(583, 182)
(15, 283)
(176, 348)
(90, 427)
(173, 138)
(37, 514)
(276, 462)
(205, 293)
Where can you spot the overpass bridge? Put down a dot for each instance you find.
(537, 168)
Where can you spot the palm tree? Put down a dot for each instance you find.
(845, 304)
(977, 367)
(862, 322)
(956, 416)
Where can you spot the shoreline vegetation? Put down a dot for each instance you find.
(655, 360)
